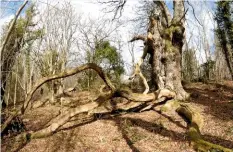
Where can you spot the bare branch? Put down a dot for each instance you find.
(116, 7)
(64, 74)
(137, 71)
(138, 37)
(194, 14)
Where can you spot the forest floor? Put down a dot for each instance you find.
(149, 131)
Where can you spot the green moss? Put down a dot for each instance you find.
(168, 45)
(176, 103)
(168, 34)
(202, 145)
(164, 109)
(194, 134)
(169, 31)
(170, 105)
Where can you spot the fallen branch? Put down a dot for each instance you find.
(136, 97)
(122, 93)
(66, 74)
(101, 105)
(138, 37)
(54, 77)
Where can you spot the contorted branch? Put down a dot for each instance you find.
(136, 97)
(58, 76)
(138, 37)
(84, 108)
(64, 119)
(66, 74)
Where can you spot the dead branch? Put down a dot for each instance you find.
(64, 120)
(194, 14)
(66, 74)
(136, 97)
(58, 76)
(122, 93)
(102, 104)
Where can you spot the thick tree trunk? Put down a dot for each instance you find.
(158, 72)
(166, 45)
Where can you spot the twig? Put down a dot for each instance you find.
(194, 13)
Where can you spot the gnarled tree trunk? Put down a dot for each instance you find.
(171, 32)
(164, 42)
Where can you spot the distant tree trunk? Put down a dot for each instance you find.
(224, 31)
(226, 51)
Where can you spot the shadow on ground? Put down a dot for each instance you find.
(158, 129)
(216, 99)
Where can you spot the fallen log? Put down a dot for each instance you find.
(104, 104)
(64, 74)
(68, 120)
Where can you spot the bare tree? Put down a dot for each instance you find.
(60, 26)
(92, 33)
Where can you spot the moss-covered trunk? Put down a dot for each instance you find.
(166, 47)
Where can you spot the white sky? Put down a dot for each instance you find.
(92, 9)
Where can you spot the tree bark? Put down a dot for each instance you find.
(166, 47)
